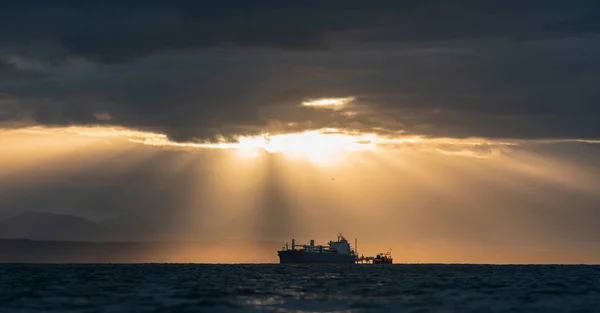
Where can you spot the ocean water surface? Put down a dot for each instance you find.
(298, 288)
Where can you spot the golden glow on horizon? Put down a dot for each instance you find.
(322, 146)
(92, 131)
(329, 103)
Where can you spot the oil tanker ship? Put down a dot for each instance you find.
(338, 251)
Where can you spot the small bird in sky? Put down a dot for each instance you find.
(332, 178)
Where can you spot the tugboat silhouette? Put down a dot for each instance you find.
(383, 258)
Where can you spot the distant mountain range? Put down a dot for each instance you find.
(62, 227)
(35, 237)
(48, 226)
(232, 251)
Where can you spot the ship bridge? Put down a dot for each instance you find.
(341, 245)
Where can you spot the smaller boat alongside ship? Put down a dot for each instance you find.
(383, 258)
(338, 251)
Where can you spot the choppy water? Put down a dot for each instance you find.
(293, 288)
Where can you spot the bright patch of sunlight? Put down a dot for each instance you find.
(321, 146)
(329, 103)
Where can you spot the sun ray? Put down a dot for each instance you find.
(562, 173)
(275, 215)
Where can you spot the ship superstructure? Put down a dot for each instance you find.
(338, 251)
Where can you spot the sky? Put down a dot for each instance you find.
(461, 131)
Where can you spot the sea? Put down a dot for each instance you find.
(298, 288)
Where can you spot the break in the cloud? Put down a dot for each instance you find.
(194, 70)
(321, 145)
(329, 103)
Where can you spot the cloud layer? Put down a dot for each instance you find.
(193, 70)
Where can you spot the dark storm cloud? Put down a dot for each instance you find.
(113, 31)
(469, 68)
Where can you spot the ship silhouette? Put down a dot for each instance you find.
(338, 251)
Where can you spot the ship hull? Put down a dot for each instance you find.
(302, 257)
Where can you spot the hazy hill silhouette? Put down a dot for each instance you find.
(63, 227)
(48, 226)
(35, 237)
(230, 251)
